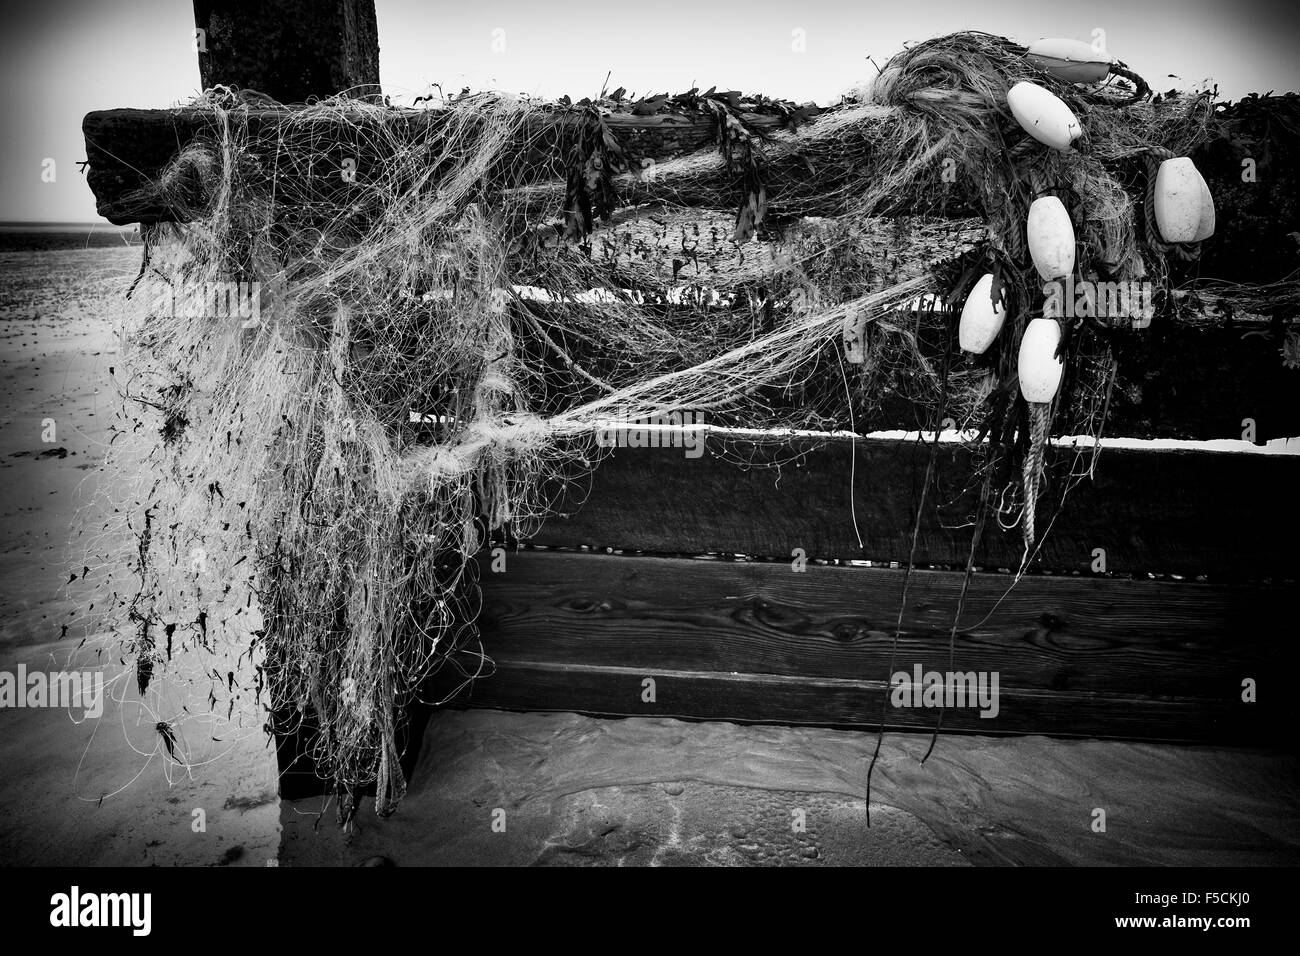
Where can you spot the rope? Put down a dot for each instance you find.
(1040, 424)
(1141, 90)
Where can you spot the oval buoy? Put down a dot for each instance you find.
(1183, 205)
(1070, 60)
(1043, 115)
(1051, 238)
(1205, 228)
(1040, 370)
(981, 320)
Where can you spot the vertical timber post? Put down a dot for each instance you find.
(290, 50)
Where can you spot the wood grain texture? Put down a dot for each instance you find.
(747, 698)
(1159, 512)
(760, 642)
(1074, 635)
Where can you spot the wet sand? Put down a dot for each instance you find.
(55, 361)
(576, 789)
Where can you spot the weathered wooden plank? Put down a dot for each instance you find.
(1152, 511)
(760, 642)
(748, 698)
(1099, 636)
(1174, 382)
(128, 148)
(650, 247)
(291, 50)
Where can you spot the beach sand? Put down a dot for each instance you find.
(55, 361)
(568, 789)
(575, 789)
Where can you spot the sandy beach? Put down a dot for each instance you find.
(55, 362)
(518, 789)
(583, 791)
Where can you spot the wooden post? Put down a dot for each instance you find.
(289, 49)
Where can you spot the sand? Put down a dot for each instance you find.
(152, 812)
(576, 789)
(55, 362)
(54, 384)
(570, 790)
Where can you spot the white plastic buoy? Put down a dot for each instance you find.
(1044, 115)
(1205, 228)
(981, 320)
(1071, 60)
(1051, 238)
(1184, 206)
(1040, 370)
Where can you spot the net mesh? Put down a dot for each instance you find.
(447, 304)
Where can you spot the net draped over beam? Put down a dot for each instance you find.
(453, 305)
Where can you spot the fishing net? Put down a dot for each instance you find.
(443, 307)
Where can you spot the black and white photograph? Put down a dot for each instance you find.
(718, 435)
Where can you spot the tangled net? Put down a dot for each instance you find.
(444, 323)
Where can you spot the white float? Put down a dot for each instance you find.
(1044, 115)
(1071, 60)
(981, 320)
(1205, 229)
(1184, 206)
(1051, 238)
(1040, 370)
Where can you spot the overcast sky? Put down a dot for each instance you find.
(62, 58)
